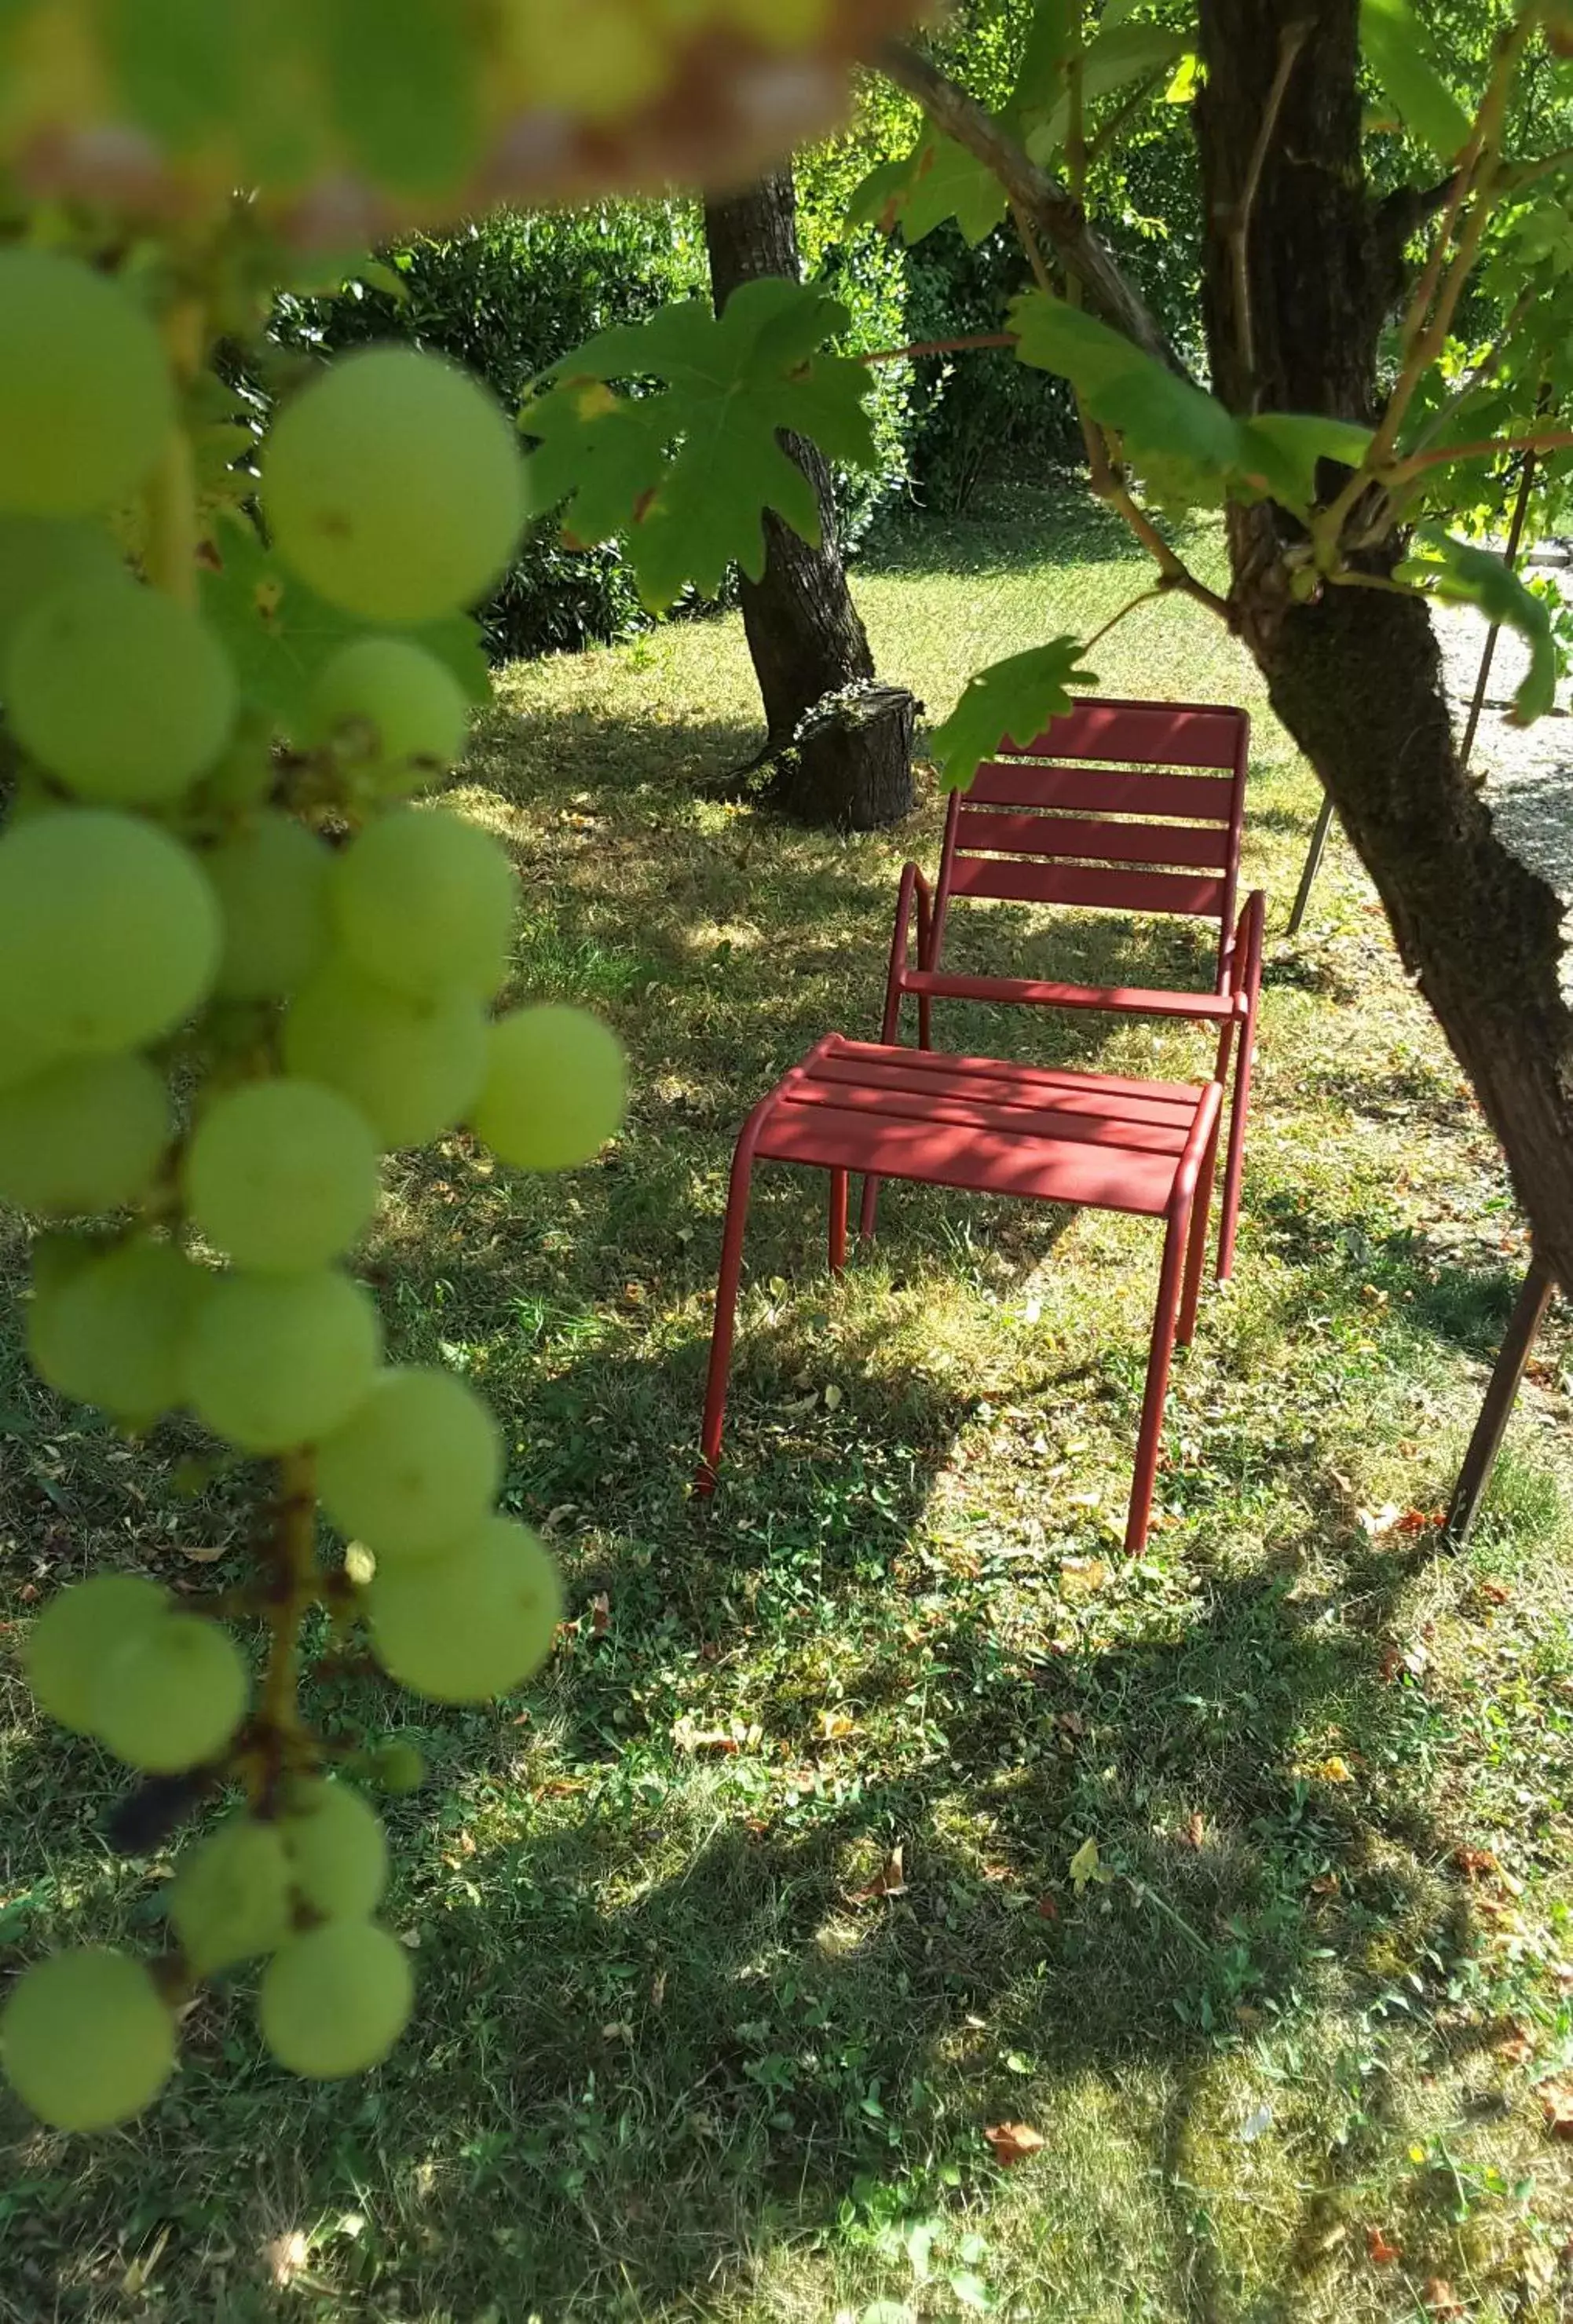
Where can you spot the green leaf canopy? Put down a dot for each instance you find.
(1013, 700)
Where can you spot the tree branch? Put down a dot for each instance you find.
(1293, 38)
(1045, 201)
(1541, 439)
(922, 347)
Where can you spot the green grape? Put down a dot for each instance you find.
(415, 1469)
(276, 1361)
(554, 1091)
(22, 1054)
(281, 1176)
(87, 1135)
(86, 2039)
(472, 1625)
(171, 1694)
(397, 1767)
(271, 884)
(394, 485)
(413, 1067)
(231, 1898)
(396, 706)
(115, 1333)
(423, 902)
(334, 2001)
(109, 932)
(74, 1637)
(118, 690)
(335, 1850)
(86, 402)
(41, 554)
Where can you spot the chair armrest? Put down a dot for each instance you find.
(1244, 973)
(913, 887)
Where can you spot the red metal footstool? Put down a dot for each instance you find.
(1090, 1140)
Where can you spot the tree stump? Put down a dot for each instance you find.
(849, 765)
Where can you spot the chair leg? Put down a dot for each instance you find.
(838, 1184)
(1234, 1171)
(1201, 1212)
(722, 1332)
(1148, 1442)
(868, 1209)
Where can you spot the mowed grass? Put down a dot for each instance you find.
(741, 1928)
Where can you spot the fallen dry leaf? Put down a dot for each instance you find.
(1516, 2047)
(1013, 2142)
(600, 1614)
(1196, 1831)
(1441, 2298)
(285, 2257)
(1048, 1910)
(1380, 2250)
(891, 1880)
(1497, 1593)
(1084, 1865)
(833, 1725)
(203, 1554)
(1377, 1523)
(1082, 1577)
(1333, 1771)
(1475, 1863)
(1556, 2100)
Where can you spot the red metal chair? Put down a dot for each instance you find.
(1149, 1148)
(1128, 807)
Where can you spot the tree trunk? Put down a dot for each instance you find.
(1357, 677)
(803, 628)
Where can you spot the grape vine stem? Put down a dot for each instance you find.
(294, 1589)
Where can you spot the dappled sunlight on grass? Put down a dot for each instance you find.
(688, 2048)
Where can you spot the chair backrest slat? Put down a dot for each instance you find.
(1086, 883)
(1149, 734)
(1064, 818)
(983, 832)
(1108, 790)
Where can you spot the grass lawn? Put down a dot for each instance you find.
(695, 2041)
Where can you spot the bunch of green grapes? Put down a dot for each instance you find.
(239, 961)
(168, 109)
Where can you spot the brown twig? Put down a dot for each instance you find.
(1159, 589)
(1541, 439)
(922, 347)
(292, 1552)
(1291, 39)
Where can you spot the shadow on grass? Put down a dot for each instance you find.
(680, 2033)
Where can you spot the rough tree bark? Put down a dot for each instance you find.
(1357, 677)
(853, 768)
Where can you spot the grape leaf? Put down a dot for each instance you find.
(1190, 447)
(685, 470)
(1040, 77)
(1184, 441)
(1399, 54)
(1284, 448)
(937, 179)
(1013, 701)
(1461, 574)
(1119, 54)
(278, 633)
